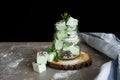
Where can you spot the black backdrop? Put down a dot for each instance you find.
(34, 21)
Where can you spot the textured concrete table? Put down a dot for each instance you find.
(16, 63)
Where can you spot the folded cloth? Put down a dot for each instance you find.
(108, 71)
(109, 45)
(103, 42)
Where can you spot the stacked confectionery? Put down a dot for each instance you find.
(41, 61)
(66, 40)
(65, 44)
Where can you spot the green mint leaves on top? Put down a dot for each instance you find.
(49, 50)
(65, 16)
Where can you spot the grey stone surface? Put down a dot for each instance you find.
(16, 63)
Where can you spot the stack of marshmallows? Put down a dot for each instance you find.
(67, 38)
(66, 41)
(42, 58)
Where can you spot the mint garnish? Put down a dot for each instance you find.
(49, 50)
(65, 16)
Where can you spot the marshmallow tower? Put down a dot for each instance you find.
(65, 44)
(42, 58)
(41, 62)
(66, 38)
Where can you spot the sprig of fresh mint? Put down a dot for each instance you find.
(65, 16)
(49, 50)
(57, 56)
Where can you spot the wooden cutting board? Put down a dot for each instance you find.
(83, 60)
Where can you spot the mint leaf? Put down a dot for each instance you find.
(56, 58)
(49, 50)
(59, 53)
(52, 49)
(65, 16)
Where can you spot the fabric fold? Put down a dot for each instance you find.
(108, 44)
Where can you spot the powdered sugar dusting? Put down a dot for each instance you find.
(28, 79)
(72, 62)
(63, 74)
(15, 63)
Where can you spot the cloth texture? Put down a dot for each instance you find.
(109, 45)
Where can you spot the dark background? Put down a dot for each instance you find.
(34, 20)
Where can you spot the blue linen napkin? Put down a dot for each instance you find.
(108, 44)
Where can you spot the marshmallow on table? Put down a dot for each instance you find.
(42, 57)
(39, 67)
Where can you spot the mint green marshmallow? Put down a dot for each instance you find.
(73, 28)
(58, 44)
(61, 35)
(41, 59)
(61, 25)
(50, 56)
(73, 49)
(72, 33)
(39, 67)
